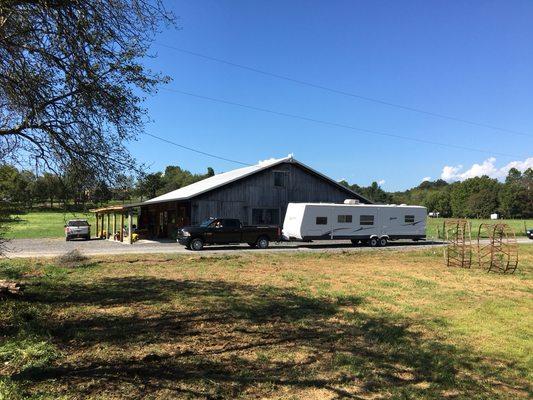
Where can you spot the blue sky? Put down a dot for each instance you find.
(468, 59)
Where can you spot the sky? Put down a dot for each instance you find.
(471, 60)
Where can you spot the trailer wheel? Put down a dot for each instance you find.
(262, 242)
(383, 242)
(197, 244)
(373, 242)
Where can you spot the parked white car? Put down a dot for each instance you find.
(77, 228)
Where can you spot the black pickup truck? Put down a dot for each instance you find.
(227, 231)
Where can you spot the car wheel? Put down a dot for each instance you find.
(262, 242)
(383, 242)
(373, 242)
(197, 244)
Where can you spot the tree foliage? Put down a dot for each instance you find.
(71, 81)
(476, 197)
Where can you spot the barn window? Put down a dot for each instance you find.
(409, 219)
(344, 219)
(279, 179)
(321, 220)
(366, 220)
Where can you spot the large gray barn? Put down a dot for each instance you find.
(258, 194)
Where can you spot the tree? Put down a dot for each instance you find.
(101, 193)
(516, 195)
(149, 185)
(474, 197)
(439, 201)
(124, 188)
(71, 80)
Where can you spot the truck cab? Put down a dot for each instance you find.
(227, 231)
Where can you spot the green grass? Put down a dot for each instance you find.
(516, 225)
(44, 224)
(386, 324)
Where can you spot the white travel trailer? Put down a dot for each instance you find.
(367, 223)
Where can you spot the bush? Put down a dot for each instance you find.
(72, 258)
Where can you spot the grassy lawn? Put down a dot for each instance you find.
(44, 224)
(47, 224)
(365, 325)
(517, 225)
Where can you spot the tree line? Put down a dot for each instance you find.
(476, 197)
(77, 189)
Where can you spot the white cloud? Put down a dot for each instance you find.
(381, 182)
(487, 167)
(426, 179)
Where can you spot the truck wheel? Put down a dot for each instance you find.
(373, 242)
(383, 242)
(197, 244)
(262, 242)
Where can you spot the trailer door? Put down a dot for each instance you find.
(319, 220)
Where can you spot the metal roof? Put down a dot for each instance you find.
(216, 181)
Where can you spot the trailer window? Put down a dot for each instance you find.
(409, 219)
(344, 219)
(321, 220)
(366, 220)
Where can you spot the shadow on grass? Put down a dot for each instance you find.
(214, 339)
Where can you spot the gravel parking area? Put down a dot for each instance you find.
(55, 247)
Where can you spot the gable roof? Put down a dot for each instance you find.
(218, 180)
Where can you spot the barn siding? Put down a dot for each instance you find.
(237, 199)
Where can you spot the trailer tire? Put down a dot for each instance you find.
(373, 242)
(262, 242)
(383, 242)
(197, 244)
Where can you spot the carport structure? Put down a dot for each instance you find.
(106, 227)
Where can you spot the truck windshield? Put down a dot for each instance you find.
(78, 223)
(207, 222)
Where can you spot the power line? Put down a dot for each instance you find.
(196, 150)
(346, 93)
(338, 125)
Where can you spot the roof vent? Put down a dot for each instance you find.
(351, 201)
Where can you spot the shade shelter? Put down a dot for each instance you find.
(111, 218)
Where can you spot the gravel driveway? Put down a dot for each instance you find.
(56, 247)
